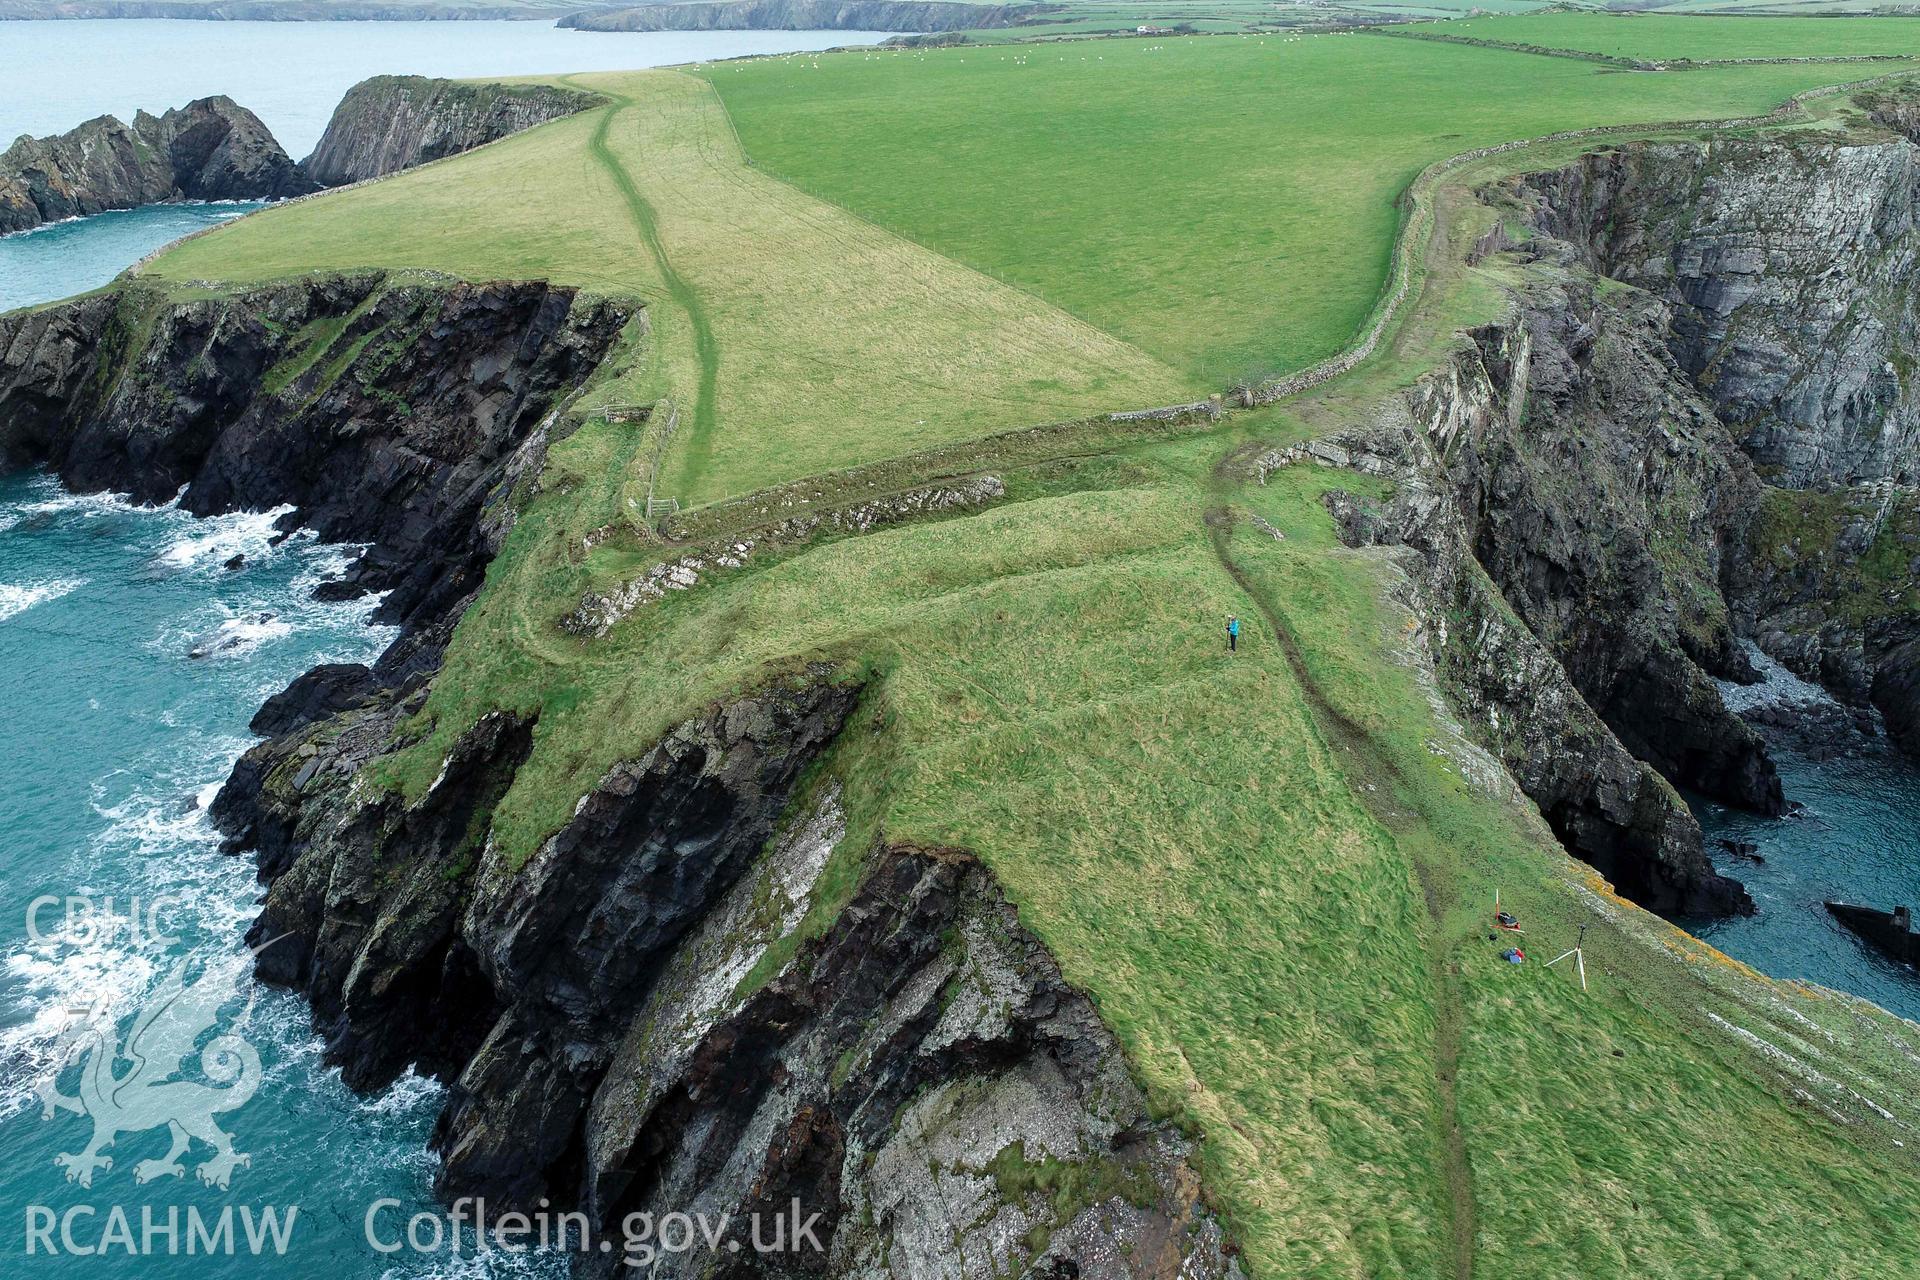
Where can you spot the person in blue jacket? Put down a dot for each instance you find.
(1233, 633)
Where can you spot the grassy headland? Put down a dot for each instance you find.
(769, 310)
(1270, 869)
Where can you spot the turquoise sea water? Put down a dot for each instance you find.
(115, 738)
(290, 74)
(130, 663)
(129, 666)
(1855, 839)
(70, 257)
(114, 735)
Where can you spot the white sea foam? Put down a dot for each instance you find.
(16, 599)
(148, 824)
(248, 533)
(412, 1095)
(237, 636)
(493, 1264)
(92, 506)
(158, 844)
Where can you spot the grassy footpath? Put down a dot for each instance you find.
(1226, 204)
(1284, 933)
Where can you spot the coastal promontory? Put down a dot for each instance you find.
(210, 149)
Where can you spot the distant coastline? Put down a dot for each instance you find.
(277, 11)
(698, 15)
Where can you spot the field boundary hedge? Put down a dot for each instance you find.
(1632, 64)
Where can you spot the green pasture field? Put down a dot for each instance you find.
(1226, 204)
(789, 336)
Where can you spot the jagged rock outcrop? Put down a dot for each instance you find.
(384, 411)
(918, 1075)
(803, 15)
(1789, 267)
(390, 123)
(1895, 109)
(211, 149)
(1587, 484)
(1601, 495)
(1827, 583)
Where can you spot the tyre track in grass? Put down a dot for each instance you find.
(1391, 805)
(706, 347)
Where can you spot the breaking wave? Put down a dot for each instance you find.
(17, 599)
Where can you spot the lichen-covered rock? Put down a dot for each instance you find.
(390, 123)
(1789, 268)
(1828, 584)
(210, 149)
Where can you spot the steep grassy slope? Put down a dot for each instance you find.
(1224, 204)
(1281, 923)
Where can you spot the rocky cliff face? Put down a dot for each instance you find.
(211, 149)
(1570, 498)
(1788, 266)
(1607, 493)
(918, 1075)
(802, 15)
(1787, 269)
(384, 411)
(390, 123)
(1828, 584)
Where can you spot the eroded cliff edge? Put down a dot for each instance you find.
(1563, 501)
(1696, 431)
(393, 412)
(1787, 272)
(633, 1020)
